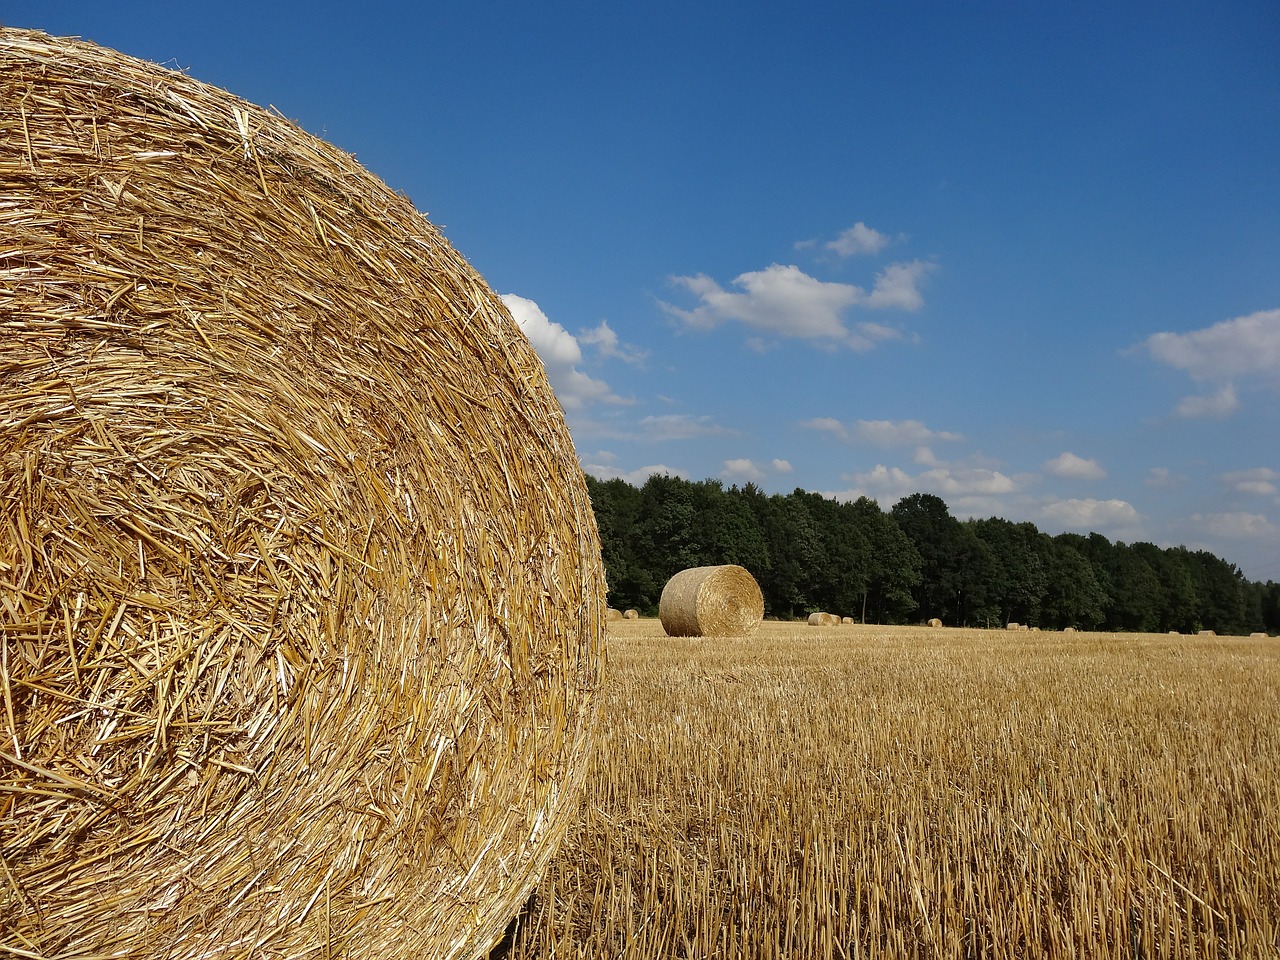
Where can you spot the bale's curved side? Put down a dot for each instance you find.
(935, 622)
(717, 601)
(300, 584)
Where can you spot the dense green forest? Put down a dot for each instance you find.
(915, 562)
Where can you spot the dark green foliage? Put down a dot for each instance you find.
(809, 552)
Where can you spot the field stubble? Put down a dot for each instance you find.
(914, 792)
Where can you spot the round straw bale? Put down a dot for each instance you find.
(824, 620)
(1257, 635)
(1207, 633)
(723, 601)
(631, 614)
(935, 622)
(846, 620)
(300, 587)
(1068, 629)
(613, 614)
(1013, 626)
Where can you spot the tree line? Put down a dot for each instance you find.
(913, 563)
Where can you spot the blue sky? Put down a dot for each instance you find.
(1023, 256)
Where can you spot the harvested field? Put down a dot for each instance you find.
(903, 791)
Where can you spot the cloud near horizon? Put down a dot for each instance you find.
(785, 301)
(1245, 347)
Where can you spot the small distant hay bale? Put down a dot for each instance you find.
(846, 620)
(1013, 626)
(1207, 633)
(1068, 629)
(721, 601)
(935, 622)
(631, 614)
(300, 584)
(613, 614)
(1258, 635)
(823, 620)
(1174, 633)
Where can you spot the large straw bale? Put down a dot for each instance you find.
(721, 601)
(300, 589)
(822, 619)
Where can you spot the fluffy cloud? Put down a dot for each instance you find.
(747, 470)
(1090, 514)
(1070, 466)
(637, 477)
(1209, 405)
(1224, 351)
(786, 301)
(1246, 347)
(1261, 481)
(881, 433)
(898, 286)
(560, 354)
(951, 482)
(1235, 526)
(607, 344)
(858, 239)
(681, 426)
(744, 470)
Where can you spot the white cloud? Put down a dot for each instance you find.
(1224, 351)
(1090, 514)
(1161, 478)
(786, 301)
(560, 354)
(781, 466)
(898, 286)
(944, 480)
(1235, 526)
(606, 342)
(1209, 405)
(882, 433)
(681, 426)
(635, 477)
(1072, 467)
(858, 239)
(742, 469)
(1260, 480)
(1222, 354)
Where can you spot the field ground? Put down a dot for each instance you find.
(912, 792)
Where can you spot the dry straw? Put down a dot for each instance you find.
(300, 588)
(935, 622)
(820, 619)
(723, 601)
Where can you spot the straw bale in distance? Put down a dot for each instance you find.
(1207, 633)
(846, 620)
(631, 614)
(1258, 635)
(1013, 626)
(300, 588)
(935, 622)
(820, 619)
(614, 614)
(720, 601)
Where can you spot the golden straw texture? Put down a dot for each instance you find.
(300, 589)
(723, 601)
